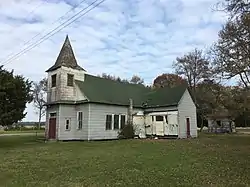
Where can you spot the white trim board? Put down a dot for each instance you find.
(163, 113)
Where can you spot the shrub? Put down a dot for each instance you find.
(127, 132)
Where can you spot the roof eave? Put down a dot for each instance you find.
(66, 102)
(164, 105)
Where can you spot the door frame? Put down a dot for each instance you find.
(188, 126)
(159, 125)
(52, 117)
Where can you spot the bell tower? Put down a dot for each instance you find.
(61, 76)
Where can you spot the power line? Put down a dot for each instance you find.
(57, 20)
(50, 34)
(30, 13)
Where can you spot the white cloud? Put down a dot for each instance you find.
(119, 37)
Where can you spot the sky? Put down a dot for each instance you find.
(119, 37)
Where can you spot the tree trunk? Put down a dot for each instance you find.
(39, 118)
(202, 123)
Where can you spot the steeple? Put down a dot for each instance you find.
(66, 57)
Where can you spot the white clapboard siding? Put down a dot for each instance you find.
(97, 120)
(70, 112)
(187, 109)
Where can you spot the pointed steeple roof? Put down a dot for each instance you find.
(66, 57)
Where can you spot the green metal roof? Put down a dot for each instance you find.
(102, 90)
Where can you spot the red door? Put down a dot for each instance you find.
(188, 127)
(52, 128)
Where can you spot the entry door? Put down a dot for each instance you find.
(188, 126)
(159, 125)
(52, 128)
(172, 124)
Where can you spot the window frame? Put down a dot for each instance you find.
(67, 119)
(79, 122)
(160, 117)
(53, 80)
(122, 115)
(70, 82)
(118, 121)
(110, 122)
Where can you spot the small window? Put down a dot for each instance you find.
(108, 122)
(53, 80)
(70, 80)
(52, 115)
(67, 124)
(116, 122)
(79, 119)
(152, 118)
(122, 121)
(159, 118)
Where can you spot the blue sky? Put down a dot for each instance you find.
(121, 37)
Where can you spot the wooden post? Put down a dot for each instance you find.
(130, 112)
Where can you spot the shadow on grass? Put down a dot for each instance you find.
(18, 141)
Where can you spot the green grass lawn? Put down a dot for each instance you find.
(218, 160)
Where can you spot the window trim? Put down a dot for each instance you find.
(68, 75)
(53, 76)
(118, 122)
(79, 120)
(121, 121)
(111, 122)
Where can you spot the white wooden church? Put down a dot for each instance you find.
(81, 106)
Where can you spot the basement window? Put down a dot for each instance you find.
(53, 80)
(70, 80)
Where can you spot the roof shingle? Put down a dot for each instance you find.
(66, 57)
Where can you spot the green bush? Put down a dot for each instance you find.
(127, 132)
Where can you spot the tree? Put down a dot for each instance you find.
(209, 98)
(15, 92)
(39, 98)
(194, 66)
(168, 80)
(231, 52)
(235, 8)
(112, 77)
(136, 80)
